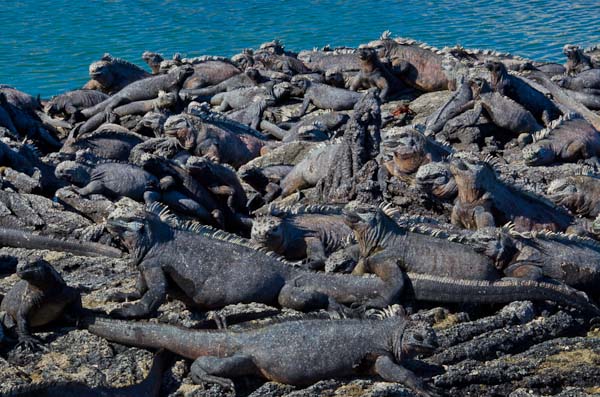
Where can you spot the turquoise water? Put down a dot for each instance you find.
(46, 46)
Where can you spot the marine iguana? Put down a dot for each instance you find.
(249, 78)
(212, 280)
(112, 179)
(436, 179)
(324, 96)
(577, 60)
(210, 72)
(485, 200)
(153, 60)
(149, 387)
(409, 150)
(111, 74)
(163, 101)
(286, 352)
(140, 90)
(579, 193)
(373, 74)
(110, 141)
(310, 233)
(418, 65)
(567, 139)
(39, 298)
(70, 102)
(217, 144)
(315, 127)
(517, 89)
(382, 241)
(584, 81)
(243, 97)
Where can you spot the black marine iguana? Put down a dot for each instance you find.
(381, 240)
(38, 299)
(295, 352)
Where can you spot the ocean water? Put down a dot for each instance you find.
(46, 46)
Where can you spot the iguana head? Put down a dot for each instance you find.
(436, 179)
(282, 90)
(268, 231)
(408, 150)
(183, 129)
(416, 338)
(153, 59)
(498, 72)
(39, 273)
(138, 230)
(538, 153)
(368, 55)
(472, 177)
(73, 172)
(564, 191)
(371, 230)
(101, 72)
(383, 46)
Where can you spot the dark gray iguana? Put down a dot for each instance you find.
(39, 298)
(294, 352)
(230, 271)
(382, 241)
(310, 233)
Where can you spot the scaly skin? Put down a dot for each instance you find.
(409, 150)
(579, 193)
(577, 60)
(39, 298)
(324, 96)
(484, 200)
(231, 272)
(436, 179)
(517, 89)
(165, 101)
(310, 236)
(285, 352)
(111, 74)
(420, 68)
(140, 90)
(113, 180)
(70, 102)
(210, 73)
(217, 144)
(382, 241)
(110, 141)
(250, 77)
(148, 387)
(22, 239)
(569, 139)
(457, 104)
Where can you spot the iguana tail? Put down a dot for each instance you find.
(22, 239)
(182, 341)
(444, 289)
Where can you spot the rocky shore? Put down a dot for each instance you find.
(462, 185)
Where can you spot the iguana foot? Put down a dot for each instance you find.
(129, 311)
(30, 344)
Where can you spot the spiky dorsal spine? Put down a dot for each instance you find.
(546, 132)
(162, 211)
(279, 210)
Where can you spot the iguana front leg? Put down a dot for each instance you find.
(140, 290)
(156, 294)
(217, 370)
(392, 372)
(315, 253)
(304, 107)
(26, 340)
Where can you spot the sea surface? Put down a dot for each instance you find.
(46, 46)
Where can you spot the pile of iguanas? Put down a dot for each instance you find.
(328, 185)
